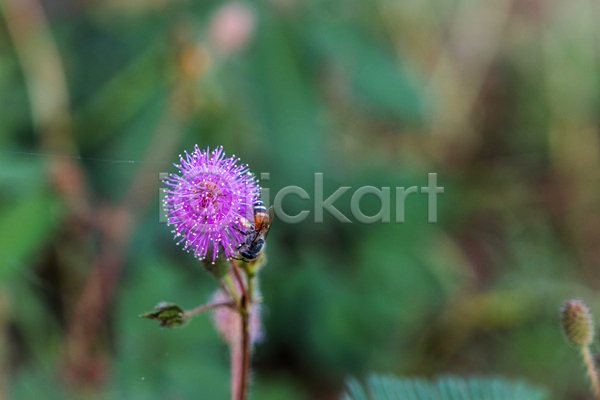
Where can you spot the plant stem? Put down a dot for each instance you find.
(205, 307)
(238, 275)
(246, 339)
(251, 278)
(591, 367)
(246, 349)
(242, 352)
(232, 288)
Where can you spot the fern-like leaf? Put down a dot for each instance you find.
(380, 387)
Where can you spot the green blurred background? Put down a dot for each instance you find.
(499, 98)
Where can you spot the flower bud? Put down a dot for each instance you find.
(168, 314)
(577, 323)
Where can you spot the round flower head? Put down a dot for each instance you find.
(208, 201)
(577, 323)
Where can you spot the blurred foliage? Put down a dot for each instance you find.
(97, 98)
(446, 388)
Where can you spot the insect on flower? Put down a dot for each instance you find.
(208, 201)
(256, 233)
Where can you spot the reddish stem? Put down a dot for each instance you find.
(205, 307)
(591, 367)
(240, 368)
(246, 350)
(238, 275)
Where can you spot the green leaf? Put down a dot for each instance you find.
(380, 387)
(355, 390)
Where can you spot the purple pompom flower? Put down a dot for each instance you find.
(208, 201)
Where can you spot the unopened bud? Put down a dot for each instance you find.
(168, 314)
(577, 323)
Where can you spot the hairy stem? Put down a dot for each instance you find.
(238, 275)
(206, 307)
(241, 352)
(232, 288)
(251, 278)
(591, 368)
(246, 349)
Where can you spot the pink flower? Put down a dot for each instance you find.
(208, 200)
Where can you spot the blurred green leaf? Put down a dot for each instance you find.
(123, 96)
(447, 388)
(25, 227)
(286, 106)
(381, 82)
